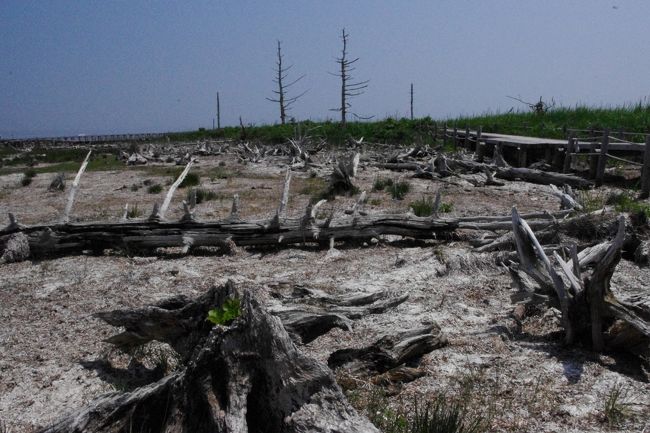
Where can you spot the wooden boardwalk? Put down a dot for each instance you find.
(562, 154)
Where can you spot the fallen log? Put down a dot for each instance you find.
(390, 351)
(146, 236)
(316, 312)
(245, 377)
(502, 172)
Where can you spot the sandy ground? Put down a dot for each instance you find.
(523, 379)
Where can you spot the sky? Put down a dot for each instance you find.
(111, 66)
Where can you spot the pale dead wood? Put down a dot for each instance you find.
(172, 189)
(75, 186)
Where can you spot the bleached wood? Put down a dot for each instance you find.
(172, 189)
(73, 191)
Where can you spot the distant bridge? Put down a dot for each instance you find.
(82, 138)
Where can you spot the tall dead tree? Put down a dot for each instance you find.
(282, 99)
(411, 101)
(218, 112)
(349, 87)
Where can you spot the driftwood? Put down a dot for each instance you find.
(585, 299)
(75, 186)
(317, 312)
(390, 351)
(248, 376)
(146, 236)
(58, 183)
(500, 171)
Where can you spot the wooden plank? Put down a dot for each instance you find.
(567, 155)
(602, 159)
(522, 155)
(645, 171)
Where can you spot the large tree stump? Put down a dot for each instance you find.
(587, 303)
(248, 376)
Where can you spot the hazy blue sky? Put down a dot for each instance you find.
(103, 66)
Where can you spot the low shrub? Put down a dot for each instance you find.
(398, 190)
(155, 189)
(192, 179)
(381, 183)
(202, 195)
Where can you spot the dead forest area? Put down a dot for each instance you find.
(223, 285)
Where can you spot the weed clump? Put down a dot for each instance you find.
(134, 212)
(192, 179)
(398, 190)
(202, 195)
(155, 189)
(382, 183)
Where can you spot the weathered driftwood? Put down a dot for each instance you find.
(315, 312)
(146, 236)
(390, 351)
(341, 178)
(172, 189)
(58, 183)
(75, 186)
(585, 299)
(501, 172)
(246, 377)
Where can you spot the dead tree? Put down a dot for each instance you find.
(587, 304)
(247, 376)
(411, 101)
(539, 107)
(282, 99)
(349, 87)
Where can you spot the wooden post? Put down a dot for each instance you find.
(466, 142)
(567, 155)
(444, 135)
(480, 150)
(548, 154)
(645, 171)
(593, 160)
(523, 155)
(435, 132)
(602, 158)
(455, 137)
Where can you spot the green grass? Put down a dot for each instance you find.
(382, 183)
(156, 188)
(192, 179)
(629, 118)
(202, 195)
(398, 190)
(422, 207)
(625, 202)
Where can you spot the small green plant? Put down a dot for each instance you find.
(422, 207)
(30, 172)
(624, 202)
(591, 200)
(192, 179)
(134, 187)
(442, 415)
(224, 315)
(446, 207)
(202, 195)
(615, 409)
(382, 183)
(156, 188)
(374, 201)
(398, 190)
(134, 212)
(147, 182)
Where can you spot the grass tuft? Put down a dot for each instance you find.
(398, 190)
(156, 188)
(382, 183)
